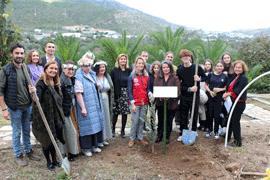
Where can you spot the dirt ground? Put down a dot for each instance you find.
(206, 159)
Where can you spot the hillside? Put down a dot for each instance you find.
(32, 14)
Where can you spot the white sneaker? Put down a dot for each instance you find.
(100, 145)
(96, 150)
(87, 152)
(105, 143)
(179, 138)
(197, 134)
(216, 137)
(208, 135)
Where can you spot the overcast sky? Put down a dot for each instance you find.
(208, 15)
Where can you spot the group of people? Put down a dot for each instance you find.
(82, 106)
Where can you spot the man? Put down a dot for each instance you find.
(187, 77)
(15, 93)
(50, 50)
(143, 54)
(169, 57)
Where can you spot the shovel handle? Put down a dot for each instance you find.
(194, 97)
(42, 114)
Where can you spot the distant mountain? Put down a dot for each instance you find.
(105, 14)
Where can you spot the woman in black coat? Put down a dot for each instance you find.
(236, 84)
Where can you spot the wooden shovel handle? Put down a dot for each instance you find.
(194, 97)
(42, 114)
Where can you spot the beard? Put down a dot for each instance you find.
(17, 60)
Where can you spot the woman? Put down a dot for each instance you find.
(50, 98)
(89, 108)
(33, 59)
(107, 95)
(234, 87)
(208, 66)
(70, 134)
(215, 86)
(166, 78)
(153, 74)
(229, 69)
(138, 91)
(119, 76)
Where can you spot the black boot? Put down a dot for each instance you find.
(53, 154)
(70, 157)
(124, 122)
(114, 121)
(47, 156)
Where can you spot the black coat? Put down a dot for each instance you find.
(57, 59)
(67, 88)
(239, 85)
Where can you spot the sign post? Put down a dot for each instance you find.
(165, 92)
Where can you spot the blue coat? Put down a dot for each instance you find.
(93, 122)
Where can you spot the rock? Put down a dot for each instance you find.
(233, 167)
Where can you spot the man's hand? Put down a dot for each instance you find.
(6, 115)
(133, 108)
(194, 89)
(196, 78)
(32, 89)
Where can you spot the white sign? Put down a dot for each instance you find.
(166, 91)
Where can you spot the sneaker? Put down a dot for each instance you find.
(21, 161)
(216, 137)
(208, 135)
(131, 143)
(144, 142)
(105, 143)
(96, 150)
(123, 135)
(87, 152)
(100, 145)
(32, 155)
(179, 138)
(197, 134)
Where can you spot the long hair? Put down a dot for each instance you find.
(153, 65)
(118, 58)
(96, 68)
(208, 60)
(231, 68)
(45, 77)
(29, 57)
(134, 71)
(161, 74)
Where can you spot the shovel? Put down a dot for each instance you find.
(188, 136)
(64, 161)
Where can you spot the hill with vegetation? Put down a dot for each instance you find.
(103, 14)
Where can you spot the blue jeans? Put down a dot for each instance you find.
(20, 122)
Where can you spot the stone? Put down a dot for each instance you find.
(233, 167)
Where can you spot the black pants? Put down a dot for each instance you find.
(185, 108)
(235, 126)
(215, 106)
(169, 118)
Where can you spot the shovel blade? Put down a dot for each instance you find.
(66, 166)
(188, 137)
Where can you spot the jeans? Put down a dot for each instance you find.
(20, 122)
(138, 119)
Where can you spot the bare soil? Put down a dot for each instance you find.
(206, 159)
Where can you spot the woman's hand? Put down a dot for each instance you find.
(133, 108)
(225, 95)
(32, 89)
(212, 94)
(84, 112)
(98, 85)
(217, 90)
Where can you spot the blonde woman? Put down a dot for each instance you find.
(119, 76)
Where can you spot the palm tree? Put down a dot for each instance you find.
(112, 49)
(167, 41)
(67, 48)
(209, 50)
